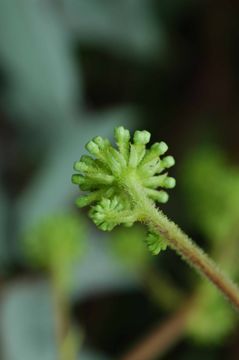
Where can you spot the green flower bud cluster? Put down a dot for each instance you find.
(123, 185)
(105, 176)
(105, 213)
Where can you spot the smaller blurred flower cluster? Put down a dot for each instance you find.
(56, 242)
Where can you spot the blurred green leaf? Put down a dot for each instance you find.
(27, 323)
(128, 27)
(212, 189)
(213, 319)
(35, 52)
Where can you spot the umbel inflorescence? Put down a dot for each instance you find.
(107, 173)
(124, 182)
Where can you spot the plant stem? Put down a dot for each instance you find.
(182, 244)
(67, 346)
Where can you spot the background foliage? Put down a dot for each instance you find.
(73, 69)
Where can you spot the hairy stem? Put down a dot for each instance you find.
(182, 244)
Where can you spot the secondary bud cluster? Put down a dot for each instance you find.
(104, 175)
(106, 213)
(155, 243)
